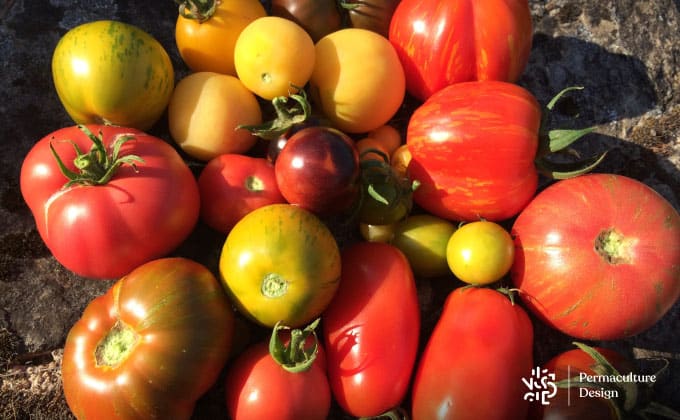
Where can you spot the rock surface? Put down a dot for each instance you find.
(625, 53)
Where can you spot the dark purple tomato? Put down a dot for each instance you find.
(374, 15)
(318, 170)
(317, 17)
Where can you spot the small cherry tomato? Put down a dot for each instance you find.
(480, 252)
(272, 54)
(400, 159)
(423, 238)
(205, 111)
(232, 185)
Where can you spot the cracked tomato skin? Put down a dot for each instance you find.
(182, 323)
(441, 43)
(598, 256)
(472, 148)
(105, 231)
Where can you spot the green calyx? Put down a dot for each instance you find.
(297, 355)
(115, 347)
(98, 165)
(555, 141)
(199, 10)
(613, 247)
(287, 115)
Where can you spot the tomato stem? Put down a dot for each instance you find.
(115, 347)
(297, 356)
(286, 117)
(200, 10)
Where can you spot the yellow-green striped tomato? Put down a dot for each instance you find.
(112, 72)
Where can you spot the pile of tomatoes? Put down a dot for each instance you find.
(291, 116)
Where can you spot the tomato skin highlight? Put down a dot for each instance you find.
(105, 231)
(576, 283)
(183, 325)
(371, 330)
(472, 148)
(112, 72)
(481, 345)
(442, 43)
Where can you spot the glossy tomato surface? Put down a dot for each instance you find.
(149, 347)
(371, 330)
(206, 40)
(474, 361)
(317, 17)
(472, 149)
(598, 256)
(143, 212)
(374, 15)
(280, 263)
(109, 72)
(444, 42)
(318, 170)
(232, 185)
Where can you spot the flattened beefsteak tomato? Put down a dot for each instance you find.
(598, 256)
(124, 198)
(150, 346)
(444, 42)
(474, 361)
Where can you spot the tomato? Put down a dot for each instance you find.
(265, 61)
(472, 150)
(205, 111)
(318, 169)
(277, 381)
(113, 216)
(317, 17)
(569, 402)
(423, 239)
(480, 252)
(386, 197)
(385, 139)
(358, 81)
(400, 159)
(108, 72)
(598, 256)
(206, 32)
(149, 347)
(442, 43)
(280, 263)
(371, 330)
(233, 185)
(481, 346)
(374, 15)
(377, 233)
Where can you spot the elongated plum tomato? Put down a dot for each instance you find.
(114, 73)
(206, 36)
(358, 81)
(280, 263)
(106, 218)
(598, 256)
(482, 344)
(473, 147)
(371, 330)
(440, 43)
(149, 347)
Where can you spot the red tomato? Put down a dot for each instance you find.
(318, 169)
(260, 384)
(473, 364)
(598, 256)
(472, 150)
(139, 210)
(444, 42)
(233, 185)
(371, 330)
(149, 347)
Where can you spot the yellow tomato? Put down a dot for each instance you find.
(112, 72)
(358, 79)
(272, 54)
(400, 159)
(280, 263)
(423, 238)
(480, 252)
(206, 41)
(205, 110)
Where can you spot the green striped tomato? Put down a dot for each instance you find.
(112, 72)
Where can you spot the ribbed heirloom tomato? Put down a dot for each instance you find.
(149, 347)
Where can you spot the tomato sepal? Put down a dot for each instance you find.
(296, 356)
(199, 10)
(286, 117)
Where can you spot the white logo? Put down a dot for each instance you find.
(541, 386)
